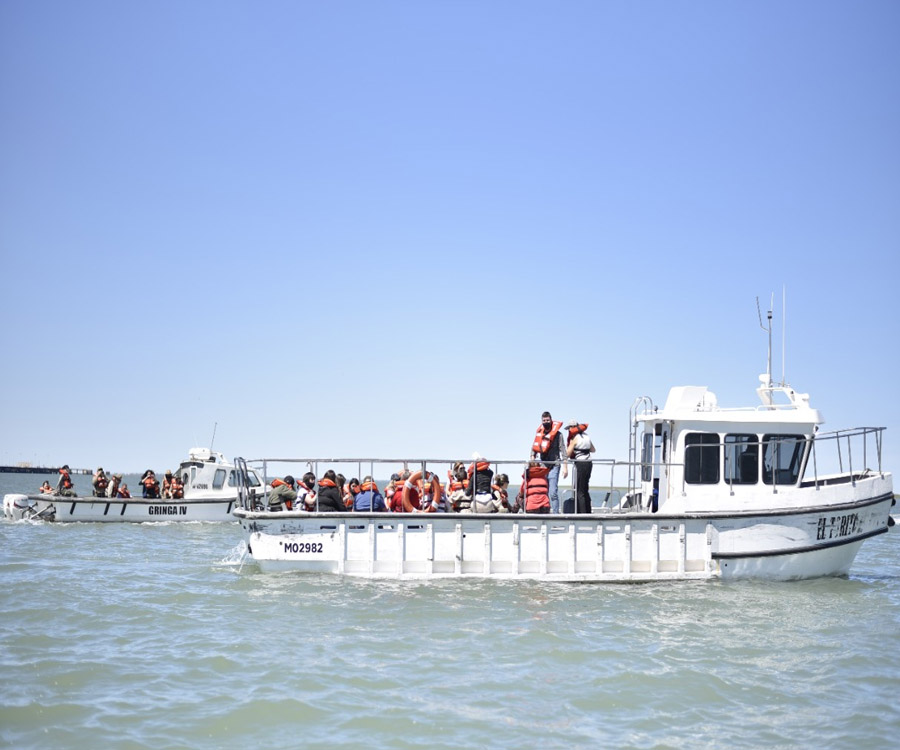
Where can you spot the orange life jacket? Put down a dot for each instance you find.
(326, 483)
(278, 483)
(536, 488)
(368, 486)
(573, 431)
(177, 490)
(480, 466)
(67, 480)
(542, 440)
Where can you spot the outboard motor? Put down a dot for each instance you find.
(18, 507)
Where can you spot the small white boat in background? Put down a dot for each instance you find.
(711, 493)
(210, 493)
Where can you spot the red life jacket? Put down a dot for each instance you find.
(480, 466)
(537, 488)
(395, 502)
(67, 480)
(542, 440)
(573, 431)
(152, 485)
(455, 484)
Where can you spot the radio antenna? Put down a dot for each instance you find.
(783, 330)
(768, 329)
(214, 436)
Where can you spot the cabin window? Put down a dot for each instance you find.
(782, 455)
(741, 459)
(701, 458)
(219, 479)
(251, 476)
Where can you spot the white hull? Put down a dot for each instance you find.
(743, 492)
(609, 546)
(210, 489)
(116, 510)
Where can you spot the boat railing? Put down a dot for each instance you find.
(246, 495)
(865, 440)
(642, 406)
(614, 494)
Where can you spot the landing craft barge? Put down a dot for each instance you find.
(712, 493)
(210, 494)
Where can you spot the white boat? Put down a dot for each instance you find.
(710, 493)
(210, 494)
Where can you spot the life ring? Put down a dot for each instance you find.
(435, 492)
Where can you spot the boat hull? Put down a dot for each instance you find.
(118, 510)
(609, 546)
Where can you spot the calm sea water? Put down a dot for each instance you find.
(160, 636)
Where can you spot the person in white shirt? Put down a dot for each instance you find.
(579, 449)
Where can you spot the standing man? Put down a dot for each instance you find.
(548, 446)
(65, 486)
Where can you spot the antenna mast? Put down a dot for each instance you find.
(768, 329)
(216, 424)
(783, 329)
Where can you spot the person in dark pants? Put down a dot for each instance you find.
(579, 449)
(548, 447)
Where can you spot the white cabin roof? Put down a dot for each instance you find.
(205, 455)
(696, 403)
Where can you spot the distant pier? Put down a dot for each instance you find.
(39, 470)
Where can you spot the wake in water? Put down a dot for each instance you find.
(236, 557)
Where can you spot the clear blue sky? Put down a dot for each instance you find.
(407, 228)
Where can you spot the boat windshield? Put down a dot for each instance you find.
(253, 479)
(782, 458)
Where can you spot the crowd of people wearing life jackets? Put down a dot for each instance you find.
(467, 489)
(171, 488)
(112, 485)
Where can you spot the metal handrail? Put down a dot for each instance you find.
(840, 437)
(313, 465)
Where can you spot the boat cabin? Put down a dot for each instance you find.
(696, 456)
(207, 472)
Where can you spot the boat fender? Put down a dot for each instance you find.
(891, 521)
